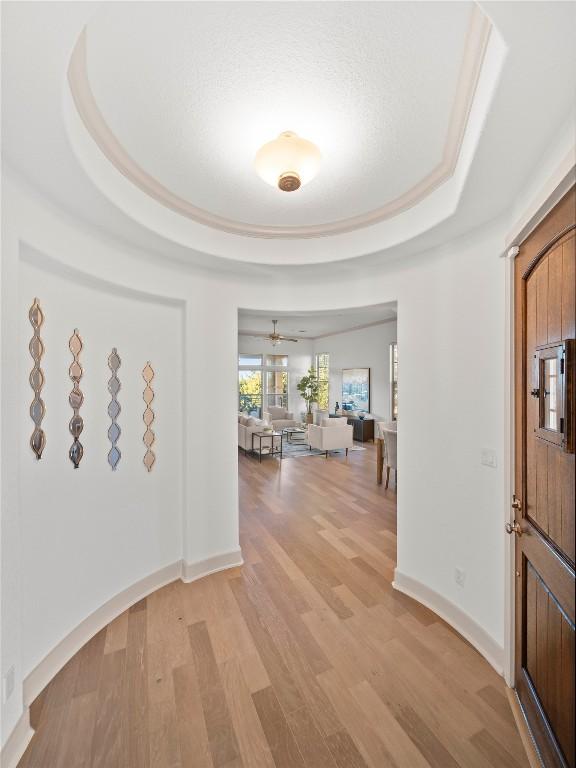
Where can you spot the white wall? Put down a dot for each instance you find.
(363, 348)
(300, 358)
(451, 378)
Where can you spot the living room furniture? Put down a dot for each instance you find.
(246, 426)
(272, 445)
(386, 456)
(295, 434)
(279, 418)
(319, 416)
(332, 435)
(363, 429)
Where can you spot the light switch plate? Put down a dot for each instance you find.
(488, 458)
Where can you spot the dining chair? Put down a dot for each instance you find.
(386, 431)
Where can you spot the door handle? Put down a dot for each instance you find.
(510, 529)
(516, 503)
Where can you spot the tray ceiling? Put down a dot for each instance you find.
(180, 96)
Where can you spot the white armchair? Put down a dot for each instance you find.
(333, 435)
(319, 417)
(280, 418)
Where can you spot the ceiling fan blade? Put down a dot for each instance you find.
(287, 338)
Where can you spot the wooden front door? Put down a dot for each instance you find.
(544, 502)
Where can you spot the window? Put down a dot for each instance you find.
(277, 361)
(394, 380)
(250, 360)
(262, 382)
(323, 374)
(250, 391)
(277, 389)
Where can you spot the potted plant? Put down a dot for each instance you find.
(308, 387)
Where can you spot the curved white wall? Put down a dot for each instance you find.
(74, 539)
(90, 532)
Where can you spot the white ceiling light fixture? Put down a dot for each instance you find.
(287, 162)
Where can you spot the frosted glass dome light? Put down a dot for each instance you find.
(288, 162)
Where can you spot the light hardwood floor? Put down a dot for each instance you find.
(304, 657)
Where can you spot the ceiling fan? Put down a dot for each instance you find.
(275, 338)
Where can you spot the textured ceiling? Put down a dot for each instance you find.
(374, 85)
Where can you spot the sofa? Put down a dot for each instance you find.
(279, 418)
(247, 425)
(331, 435)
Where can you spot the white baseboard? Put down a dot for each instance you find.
(53, 662)
(46, 669)
(193, 571)
(17, 742)
(453, 615)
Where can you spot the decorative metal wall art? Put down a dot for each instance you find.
(148, 416)
(114, 409)
(76, 399)
(36, 378)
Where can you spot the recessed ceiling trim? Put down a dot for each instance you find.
(357, 328)
(476, 43)
(259, 334)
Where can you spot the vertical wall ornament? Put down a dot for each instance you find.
(36, 378)
(114, 409)
(148, 416)
(76, 399)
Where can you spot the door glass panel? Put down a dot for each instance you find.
(550, 387)
(550, 390)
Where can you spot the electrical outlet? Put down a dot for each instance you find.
(488, 458)
(8, 684)
(459, 576)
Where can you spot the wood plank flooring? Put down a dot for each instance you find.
(305, 657)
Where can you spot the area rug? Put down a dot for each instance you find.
(297, 450)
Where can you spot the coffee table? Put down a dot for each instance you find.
(295, 434)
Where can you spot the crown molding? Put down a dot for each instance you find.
(358, 328)
(259, 334)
